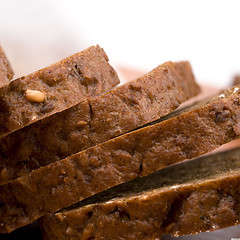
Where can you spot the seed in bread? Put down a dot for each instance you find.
(35, 96)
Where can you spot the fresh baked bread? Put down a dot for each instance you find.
(195, 196)
(182, 135)
(96, 120)
(55, 88)
(6, 71)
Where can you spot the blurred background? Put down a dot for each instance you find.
(136, 35)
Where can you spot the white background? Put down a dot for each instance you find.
(135, 34)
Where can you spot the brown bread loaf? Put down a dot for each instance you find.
(182, 135)
(195, 196)
(6, 71)
(55, 88)
(96, 120)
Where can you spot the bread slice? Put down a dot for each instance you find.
(55, 88)
(96, 120)
(182, 135)
(195, 196)
(6, 71)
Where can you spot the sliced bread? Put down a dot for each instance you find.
(195, 196)
(55, 88)
(179, 136)
(96, 120)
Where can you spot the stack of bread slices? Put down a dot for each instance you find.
(90, 160)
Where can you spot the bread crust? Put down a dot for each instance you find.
(6, 71)
(236, 80)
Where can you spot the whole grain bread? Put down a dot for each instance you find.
(96, 120)
(55, 88)
(182, 135)
(195, 196)
(6, 71)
